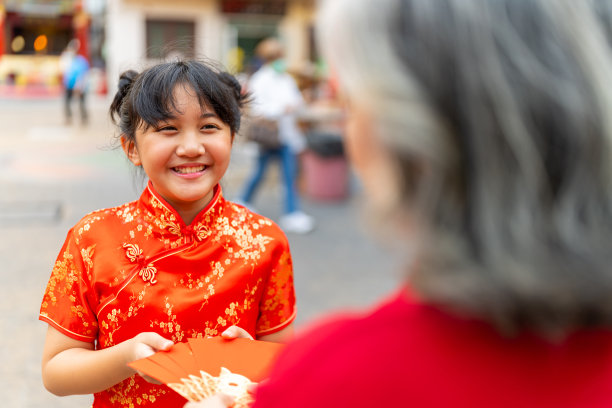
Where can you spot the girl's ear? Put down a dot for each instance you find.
(129, 147)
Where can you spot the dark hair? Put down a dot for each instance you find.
(147, 98)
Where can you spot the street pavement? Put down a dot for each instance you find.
(52, 174)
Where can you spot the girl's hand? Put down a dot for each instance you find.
(235, 332)
(144, 345)
(219, 400)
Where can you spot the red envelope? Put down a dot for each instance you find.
(250, 358)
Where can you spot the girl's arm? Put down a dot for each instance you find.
(281, 336)
(74, 367)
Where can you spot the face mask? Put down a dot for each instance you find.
(279, 66)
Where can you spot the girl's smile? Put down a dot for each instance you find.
(190, 170)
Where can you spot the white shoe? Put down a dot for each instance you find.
(297, 222)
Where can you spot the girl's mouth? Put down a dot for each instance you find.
(189, 169)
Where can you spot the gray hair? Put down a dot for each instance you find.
(497, 114)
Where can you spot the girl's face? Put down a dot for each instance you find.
(186, 156)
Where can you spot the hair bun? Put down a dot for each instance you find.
(125, 83)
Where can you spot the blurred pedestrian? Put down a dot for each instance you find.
(75, 69)
(481, 131)
(277, 98)
(179, 262)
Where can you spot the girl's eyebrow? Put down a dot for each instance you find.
(208, 115)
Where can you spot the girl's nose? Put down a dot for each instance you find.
(190, 145)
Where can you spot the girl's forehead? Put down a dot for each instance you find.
(184, 95)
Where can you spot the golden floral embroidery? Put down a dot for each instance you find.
(202, 232)
(172, 326)
(148, 274)
(171, 226)
(86, 254)
(123, 394)
(132, 251)
(250, 247)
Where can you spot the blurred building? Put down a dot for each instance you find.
(33, 34)
(141, 32)
(116, 35)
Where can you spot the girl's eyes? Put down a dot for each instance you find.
(169, 128)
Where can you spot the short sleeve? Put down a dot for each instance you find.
(277, 308)
(67, 300)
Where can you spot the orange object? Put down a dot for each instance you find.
(40, 43)
(197, 369)
(249, 358)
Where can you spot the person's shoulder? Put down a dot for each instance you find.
(82, 60)
(339, 355)
(350, 330)
(259, 224)
(104, 219)
(263, 229)
(378, 318)
(394, 331)
(262, 75)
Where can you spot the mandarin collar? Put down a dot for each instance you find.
(166, 221)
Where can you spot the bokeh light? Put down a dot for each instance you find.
(40, 43)
(17, 44)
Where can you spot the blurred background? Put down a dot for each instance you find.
(120, 34)
(52, 172)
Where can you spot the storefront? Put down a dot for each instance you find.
(116, 35)
(33, 34)
(141, 32)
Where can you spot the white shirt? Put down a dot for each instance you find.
(274, 95)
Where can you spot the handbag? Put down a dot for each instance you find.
(264, 132)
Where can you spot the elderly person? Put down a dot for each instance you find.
(481, 130)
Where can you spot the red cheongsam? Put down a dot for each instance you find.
(138, 268)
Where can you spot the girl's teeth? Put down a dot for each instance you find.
(187, 170)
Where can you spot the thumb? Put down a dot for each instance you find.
(147, 344)
(157, 342)
(235, 332)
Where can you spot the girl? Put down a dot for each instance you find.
(179, 262)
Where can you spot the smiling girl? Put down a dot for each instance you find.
(179, 262)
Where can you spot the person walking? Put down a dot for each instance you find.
(75, 68)
(277, 98)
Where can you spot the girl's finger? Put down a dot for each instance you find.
(234, 332)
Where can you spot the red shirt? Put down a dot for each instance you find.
(407, 354)
(138, 267)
